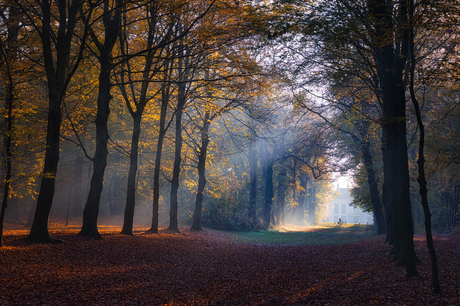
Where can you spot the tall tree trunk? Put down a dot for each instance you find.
(91, 210)
(388, 210)
(421, 159)
(373, 188)
(252, 183)
(9, 55)
(173, 213)
(156, 172)
(201, 173)
(183, 70)
(391, 50)
(131, 190)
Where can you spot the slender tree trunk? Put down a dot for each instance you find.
(373, 188)
(131, 190)
(421, 161)
(183, 70)
(156, 172)
(201, 173)
(173, 214)
(253, 183)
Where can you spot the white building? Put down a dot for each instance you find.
(341, 209)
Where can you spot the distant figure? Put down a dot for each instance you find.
(340, 221)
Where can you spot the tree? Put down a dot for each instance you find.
(58, 42)
(8, 54)
(159, 36)
(104, 43)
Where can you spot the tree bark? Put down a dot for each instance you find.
(91, 210)
(173, 213)
(9, 54)
(391, 50)
(131, 189)
(373, 188)
(201, 173)
(183, 68)
(58, 75)
(421, 160)
(156, 172)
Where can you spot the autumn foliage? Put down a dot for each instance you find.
(211, 268)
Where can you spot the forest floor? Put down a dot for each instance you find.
(326, 265)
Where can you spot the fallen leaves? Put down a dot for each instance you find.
(208, 268)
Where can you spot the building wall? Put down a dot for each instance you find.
(341, 209)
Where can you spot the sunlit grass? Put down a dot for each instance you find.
(325, 233)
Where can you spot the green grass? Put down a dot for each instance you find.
(323, 234)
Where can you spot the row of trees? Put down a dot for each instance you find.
(385, 67)
(271, 97)
(144, 88)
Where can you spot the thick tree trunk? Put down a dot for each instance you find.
(201, 173)
(9, 156)
(39, 231)
(131, 189)
(391, 50)
(389, 225)
(111, 21)
(91, 211)
(9, 54)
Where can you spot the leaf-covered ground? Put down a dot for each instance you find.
(215, 268)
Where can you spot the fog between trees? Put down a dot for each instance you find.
(234, 115)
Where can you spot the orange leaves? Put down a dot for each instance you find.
(208, 268)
